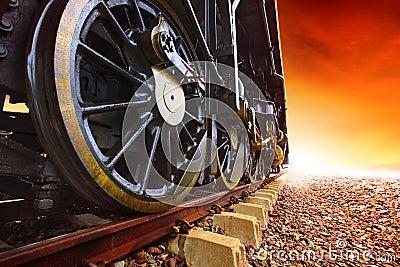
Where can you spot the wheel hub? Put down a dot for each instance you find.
(170, 97)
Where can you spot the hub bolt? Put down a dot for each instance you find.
(13, 4)
(3, 51)
(6, 25)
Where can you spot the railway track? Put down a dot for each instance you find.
(102, 245)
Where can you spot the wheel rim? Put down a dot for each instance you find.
(230, 153)
(85, 114)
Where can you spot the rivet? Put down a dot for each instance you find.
(3, 51)
(13, 4)
(6, 25)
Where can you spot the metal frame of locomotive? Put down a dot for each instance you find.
(83, 61)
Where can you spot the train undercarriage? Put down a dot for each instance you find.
(139, 104)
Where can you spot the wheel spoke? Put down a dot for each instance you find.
(197, 29)
(90, 109)
(190, 167)
(128, 16)
(150, 162)
(112, 26)
(187, 132)
(137, 16)
(222, 145)
(193, 117)
(114, 149)
(174, 144)
(101, 108)
(135, 135)
(225, 157)
(103, 61)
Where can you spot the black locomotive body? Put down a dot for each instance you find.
(99, 97)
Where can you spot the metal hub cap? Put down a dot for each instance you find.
(170, 97)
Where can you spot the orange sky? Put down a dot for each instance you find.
(342, 67)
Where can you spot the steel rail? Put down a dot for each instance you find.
(104, 244)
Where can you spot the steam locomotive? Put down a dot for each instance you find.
(99, 97)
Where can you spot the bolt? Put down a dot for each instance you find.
(163, 36)
(129, 33)
(234, 200)
(258, 71)
(6, 25)
(3, 51)
(167, 42)
(13, 4)
(217, 208)
(184, 226)
(43, 204)
(178, 41)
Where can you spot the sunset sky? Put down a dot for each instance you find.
(342, 67)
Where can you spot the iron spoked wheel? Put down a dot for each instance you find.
(231, 157)
(82, 82)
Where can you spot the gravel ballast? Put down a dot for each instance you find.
(332, 221)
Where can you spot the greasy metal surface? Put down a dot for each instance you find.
(3, 7)
(28, 169)
(16, 159)
(12, 210)
(12, 81)
(113, 241)
(22, 209)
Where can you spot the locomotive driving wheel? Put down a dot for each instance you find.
(231, 157)
(86, 67)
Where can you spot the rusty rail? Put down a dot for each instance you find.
(101, 245)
